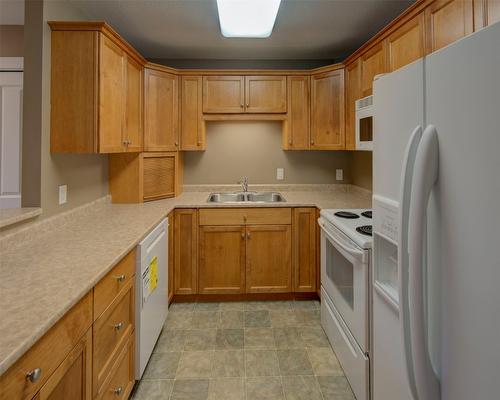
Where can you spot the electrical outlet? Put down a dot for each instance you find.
(280, 174)
(63, 194)
(339, 174)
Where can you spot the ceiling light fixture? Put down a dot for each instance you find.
(247, 18)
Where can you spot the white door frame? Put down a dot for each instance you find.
(12, 64)
(11, 108)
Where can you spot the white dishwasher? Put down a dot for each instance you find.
(151, 293)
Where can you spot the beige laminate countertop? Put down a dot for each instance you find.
(45, 270)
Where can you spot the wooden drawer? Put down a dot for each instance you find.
(245, 216)
(111, 331)
(113, 284)
(47, 353)
(120, 381)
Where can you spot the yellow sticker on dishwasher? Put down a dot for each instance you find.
(153, 274)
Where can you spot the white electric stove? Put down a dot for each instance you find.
(346, 243)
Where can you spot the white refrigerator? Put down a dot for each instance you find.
(436, 250)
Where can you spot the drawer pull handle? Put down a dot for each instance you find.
(120, 278)
(118, 326)
(34, 376)
(118, 391)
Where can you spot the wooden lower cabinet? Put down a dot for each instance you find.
(73, 378)
(120, 381)
(269, 258)
(222, 259)
(304, 250)
(186, 251)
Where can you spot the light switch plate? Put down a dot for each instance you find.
(280, 174)
(63, 194)
(339, 174)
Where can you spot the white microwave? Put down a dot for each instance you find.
(364, 123)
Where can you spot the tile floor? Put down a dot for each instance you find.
(273, 350)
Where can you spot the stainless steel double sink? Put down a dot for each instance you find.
(246, 197)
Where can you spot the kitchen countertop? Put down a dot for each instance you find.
(47, 268)
(10, 216)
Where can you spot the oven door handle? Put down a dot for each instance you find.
(337, 241)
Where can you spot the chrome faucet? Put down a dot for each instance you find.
(244, 184)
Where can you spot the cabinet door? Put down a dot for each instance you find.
(224, 94)
(161, 123)
(73, 378)
(297, 125)
(133, 132)
(171, 255)
(269, 263)
(373, 62)
(186, 251)
(304, 249)
(192, 126)
(492, 11)
(406, 44)
(446, 21)
(222, 259)
(111, 97)
(265, 94)
(352, 93)
(327, 111)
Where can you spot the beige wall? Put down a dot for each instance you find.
(362, 169)
(11, 40)
(253, 149)
(86, 175)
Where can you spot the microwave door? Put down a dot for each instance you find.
(364, 129)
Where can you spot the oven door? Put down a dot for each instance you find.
(345, 277)
(364, 128)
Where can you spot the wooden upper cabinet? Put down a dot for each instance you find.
(265, 94)
(406, 44)
(297, 132)
(352, 93)
(447, 21)
(192, 126)
(269, 262)
(373, 62)
(223, 94)
(111, 97)
(244, 94)
(327, 111)
(221, 259)
(134, 131)
(161, 111)
(96, 90)
(186, 251)
(304, 250)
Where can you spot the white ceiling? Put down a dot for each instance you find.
(11, 12)
(189, 29)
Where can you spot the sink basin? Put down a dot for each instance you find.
(249, 197)
(226, 197)
(265, 197)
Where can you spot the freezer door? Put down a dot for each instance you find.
(398, 109)
(463, 103)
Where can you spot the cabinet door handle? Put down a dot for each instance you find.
(34, 376)
(118, 326)
(248, 235)
(312, 141)
(176, 144)
(118, 391)
(290, 141)
(120, 278)
(242, 235)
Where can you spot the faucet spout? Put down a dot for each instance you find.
(244, 184)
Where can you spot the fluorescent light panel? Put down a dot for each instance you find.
(247, 18)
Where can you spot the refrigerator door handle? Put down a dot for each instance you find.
(425, 175)
(404, 207)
